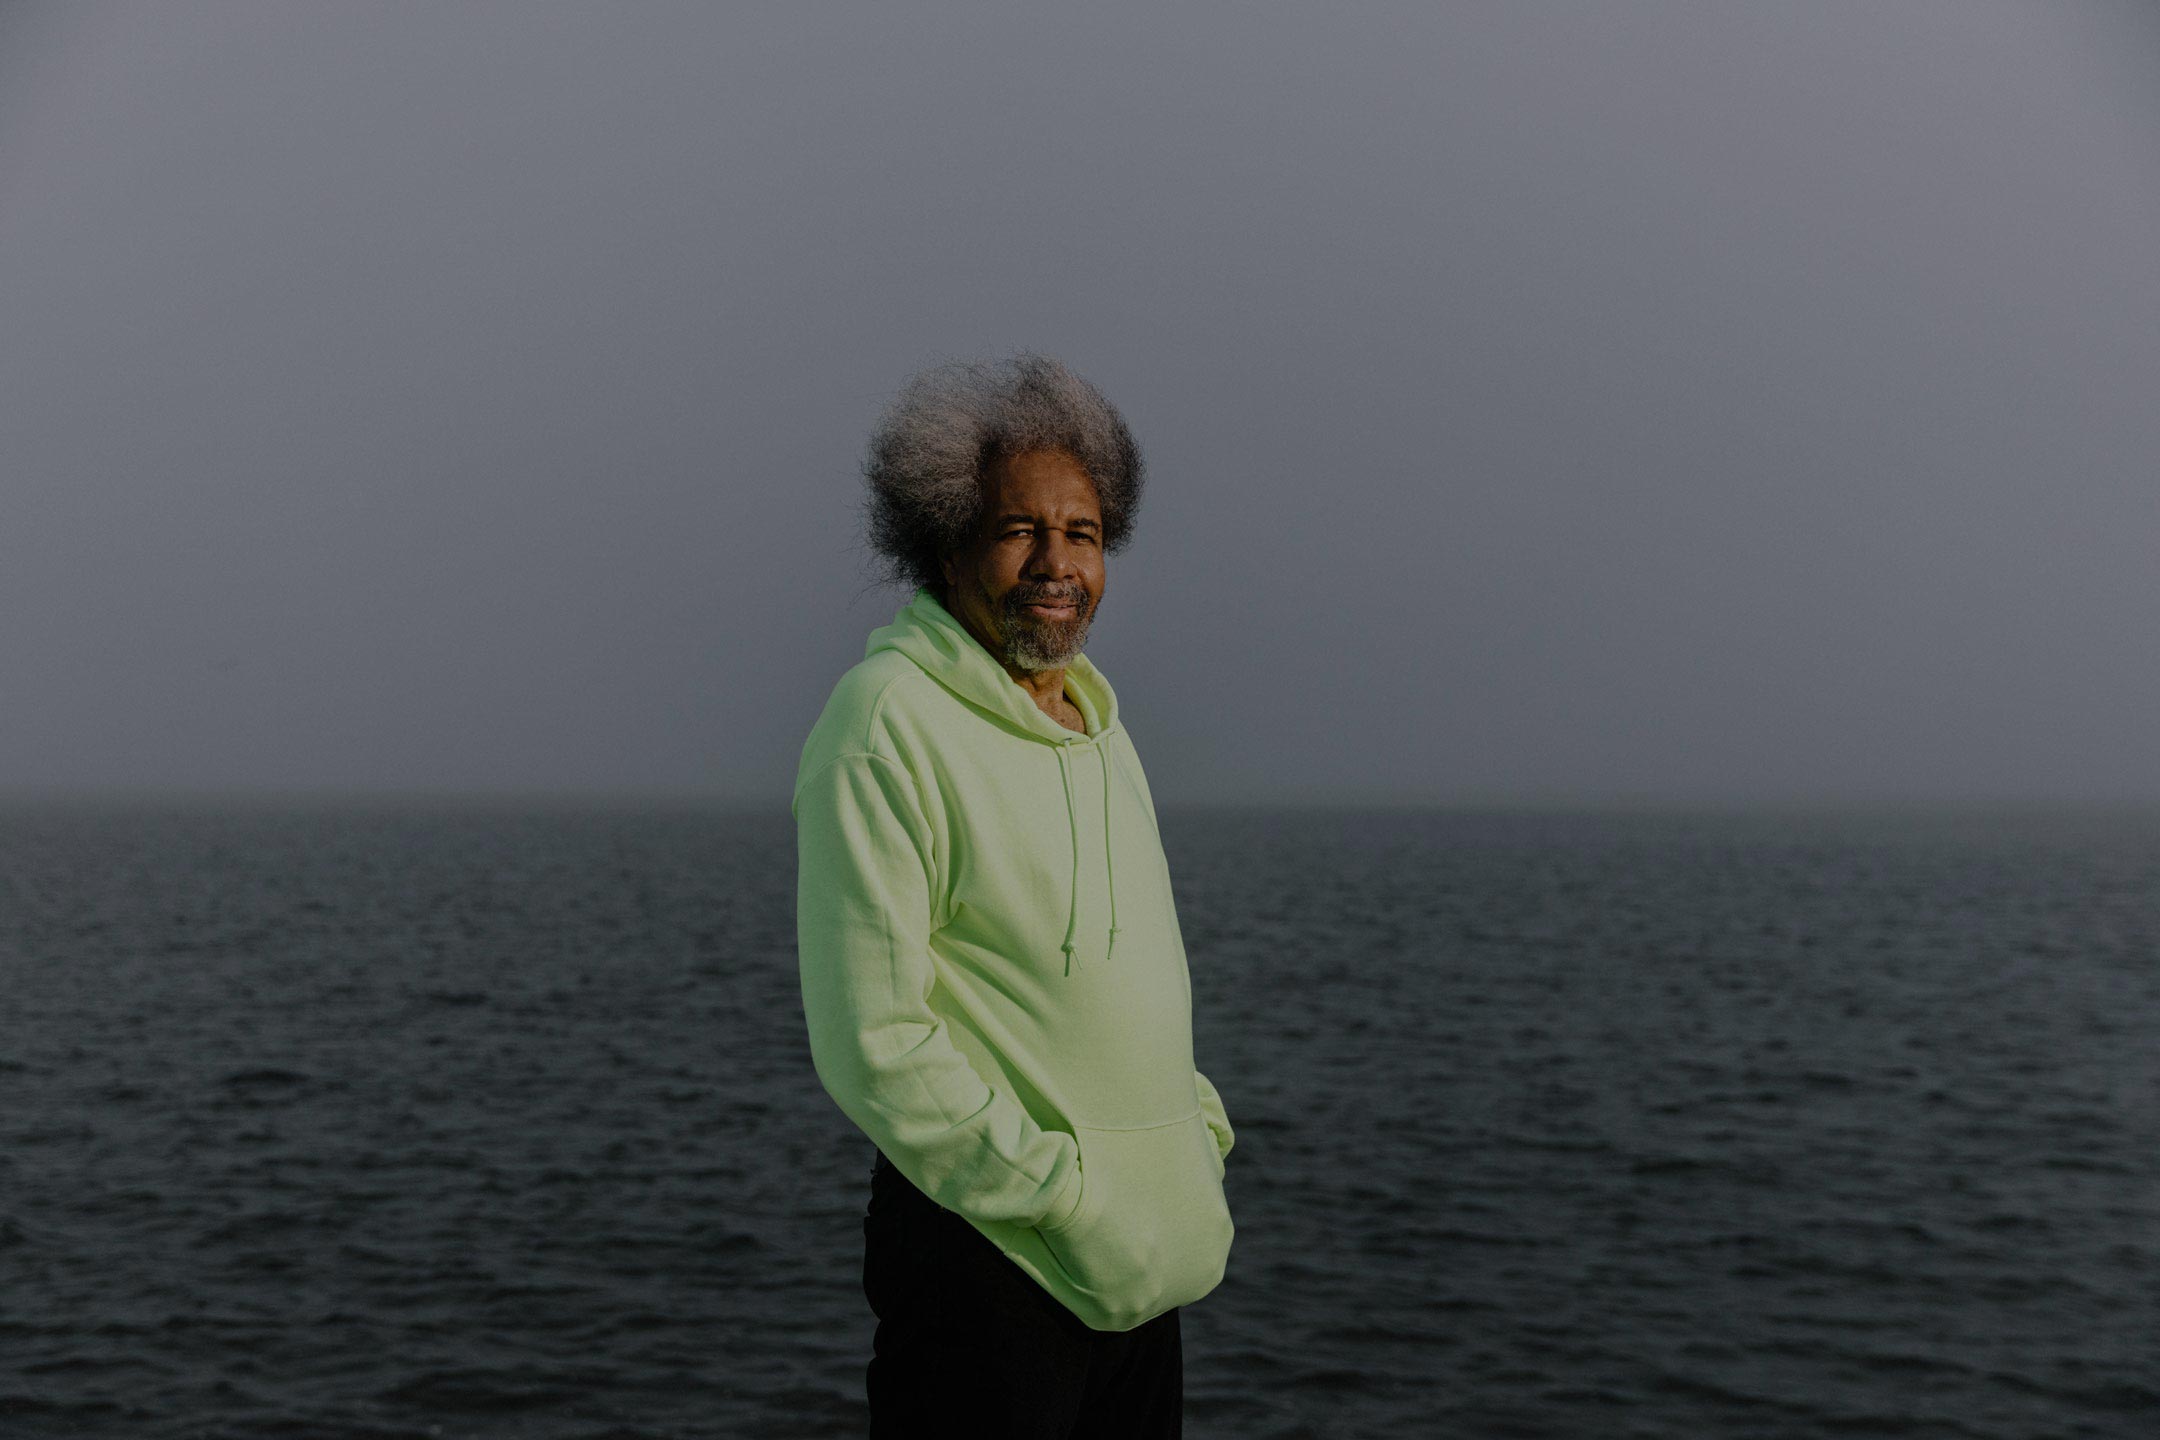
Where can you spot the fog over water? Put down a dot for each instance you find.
(1582, 403)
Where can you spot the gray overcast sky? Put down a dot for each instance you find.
(1690, 402)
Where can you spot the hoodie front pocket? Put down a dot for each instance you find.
(1152, 1229)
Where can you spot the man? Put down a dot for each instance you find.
(992, 972)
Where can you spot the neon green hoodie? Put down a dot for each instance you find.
(993, 975)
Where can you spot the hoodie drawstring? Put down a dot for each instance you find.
(1102, 753)
(1072, 819)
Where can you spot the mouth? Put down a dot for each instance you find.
(1052, 609)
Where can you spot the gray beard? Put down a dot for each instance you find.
(1033, 645)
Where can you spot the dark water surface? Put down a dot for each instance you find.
(375, 1124)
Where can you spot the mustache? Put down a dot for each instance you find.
(1019, 600)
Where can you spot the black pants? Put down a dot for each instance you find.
(968, 1345)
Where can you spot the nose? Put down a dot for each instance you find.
(1053, 559)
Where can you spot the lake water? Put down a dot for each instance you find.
(378, 1123)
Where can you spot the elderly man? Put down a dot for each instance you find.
(992, 972)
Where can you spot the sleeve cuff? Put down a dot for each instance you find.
(1062, 1214)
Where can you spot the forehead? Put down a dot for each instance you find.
(1046, 483)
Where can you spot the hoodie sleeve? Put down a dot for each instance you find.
(1217, 1122)
(862, 911)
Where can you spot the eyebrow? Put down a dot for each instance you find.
(1080, 524)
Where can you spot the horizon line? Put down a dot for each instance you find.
(1466, 802)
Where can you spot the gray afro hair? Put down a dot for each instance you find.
(950, 422)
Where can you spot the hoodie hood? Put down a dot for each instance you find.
(930, 635)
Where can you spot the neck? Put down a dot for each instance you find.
(1044, 686)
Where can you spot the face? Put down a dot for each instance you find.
(1028, 585)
